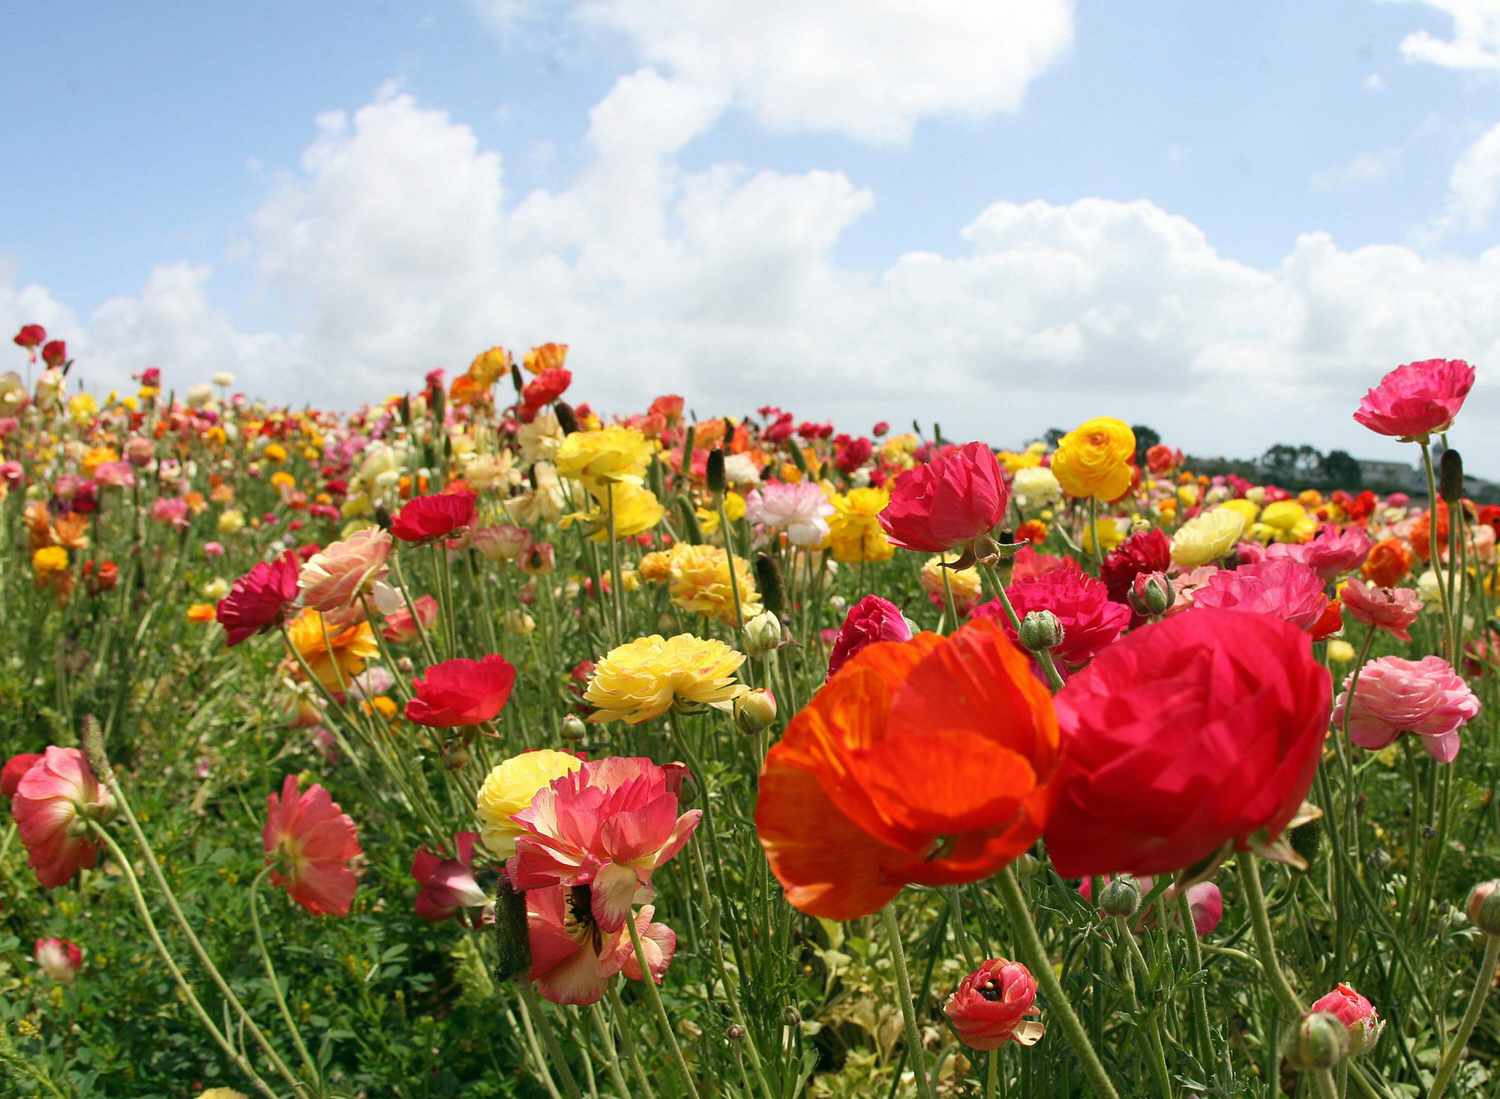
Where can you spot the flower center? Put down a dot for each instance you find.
(991, 991)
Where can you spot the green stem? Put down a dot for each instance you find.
(627, 1043)
(1096, 549)
(1198, 995)
(1138, 970)
(1323, 1084)
(917, 1057)
(549, 1036)
(1034, 954)
(1265, 944)
(653, 996)
(734, 580)
(611, 1058)
(265, 958)
(1482, 986)
(1432, 537)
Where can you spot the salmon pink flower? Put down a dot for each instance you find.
(929, 761)
(428, 518)
(53, 802)
(59, 959)
(1356, 1013)
(1283, 589)
(871, 619)
(261, 599)
(401, 626)
(310, 843)
(607, 826)
(1417, 400)
(1090, 619)
(1185, 738)
(1390, 609)
(990, 1006)
(16, 767)
(334, 578)
(461, 692)
(448, 885)
(1393, 695)
(955, 499)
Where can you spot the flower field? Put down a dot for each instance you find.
(484, 743)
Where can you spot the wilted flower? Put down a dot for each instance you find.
(990, 1006)
(448, 885)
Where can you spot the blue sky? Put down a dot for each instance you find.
(1147, 177)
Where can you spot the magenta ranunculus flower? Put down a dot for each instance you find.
(946, 504)
(1090, 619)
(607, 827)
(872, 619)
(1206, 904)
(1394, 695)
(1357, 1014)
(1334, 552)
(1417, 400)
(53, 800)
(260, 599)
(990, 1006)
(448, 885)
(1283, 589)
(1391, 609)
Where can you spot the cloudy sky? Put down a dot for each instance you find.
(1225, 221)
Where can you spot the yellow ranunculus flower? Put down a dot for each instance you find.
(1340, 651)
(637, 510)
(708, 517)
(82, 407)
(1109, 532)
(1094, 459)
(1207, 537)
(1248, 508)
(335, 656)
(49, 559)
(1035, 487)
(96, 457)
(231, 521)
(1286, 521)
(1187, 495)
(1014, 461)
(275, 452)
(964, 583)
(613, 453)
(489, 365)
(699, 583)
(509, 788)
(854, 532)
(222, 1093)
(656, 567)
(282, 479)
(645, 678)
(216, 589)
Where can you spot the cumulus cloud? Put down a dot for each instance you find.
(1474, 185)
(1475, 41)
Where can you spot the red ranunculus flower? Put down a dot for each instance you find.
(990, 1006)
(30, 336)
(448, 885)
(15, 767)
(871, 619)
(461, 692)
(1148, 551)
(957, 497)
(309, 843)
(426, 518)
(1187, 736)
(55, 353)
(546, 387)
(260, 599)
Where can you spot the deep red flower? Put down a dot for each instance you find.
(1187, 736)
(546, 387)
(871, 619)
(55, 353)
(957, 497)
(1148, 551)
(1162, 459)
(461, 692)
(426, 518)
(853, 454)
(261, 599)
(30, 336)
(15, 767)
(310, 843)
(1090, 619)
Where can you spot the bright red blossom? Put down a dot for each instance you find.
(990, 1006)
(461, 692)
(426, 518)
(957, 497)
(310, 843)
(15, 767)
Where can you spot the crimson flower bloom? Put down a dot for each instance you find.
(573, 960)
(928, 761)
(1391, 609)
(1090, 619)
(54, 353)
(1357, 1014)
(15, 767)
(871, 619)
(546, 387)
(1417, 400)
(52, 801)
(956, 498)
(260, 599)
(461, 692)
(30, 337)
(448, 885)
(1148, 551)
(1186, 737)
(990, 1006)
(309, 843)
(606, 826)
(427, 518)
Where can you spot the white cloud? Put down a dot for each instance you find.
(1475, 43)
(1361, 170)
(1473, 191)
(1373, 83)
(867, 68)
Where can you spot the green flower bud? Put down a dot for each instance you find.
(762, 634)
(1040, 630)
(1319, 1041)
(1120, 897)
(1451, 477)
(1484, 907)
(716, 481)
(754, 711)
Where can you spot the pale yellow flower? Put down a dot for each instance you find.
(509, 788)
(699, 583)
(1207, 537)
(613, 453)
(854, 532)
(645, 678)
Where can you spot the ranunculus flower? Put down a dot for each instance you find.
(54, 353)
(573, 962)
(1148, 551)
(1334, 552)
(461, 692)
(605, 827)
(929, 761)
(1207, 537)
(15, 767)
(53, 799)
(948, 503)
(1356, 1013)
(31, 336)
(59, 959)
(1394, 695)
(1094, 459)
(336, 576)
(448, 885)
(872, 619)
(1417, 400)
(1185, 738)
(428, 518)
(1390, 609)
(1388, 564)
(1284, 589)
(310, 843)
(261, 599)
(506, 542)
(799, 508)
(1090, 619)
(990, 1006)
(401, 626)
(1206, 906)
(1162, 459)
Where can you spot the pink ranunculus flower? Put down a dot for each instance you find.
(990, 1006)
(448, 885)
(1390, 609)
(870, 620)
(213, 549)
(59, 959)
(1357, 1014)
(573, 961)
(400, 626)
(115, 474)
(172, 511)
(335, 578)
(801, 509)
(1281, 588)
(948, 503)
(1206, 904)
(1417, 400)
(53, 801)
(505, 542)
(1334, 552)
(608, 826)
(310, 843)
(1394, 695)
(1090, 619)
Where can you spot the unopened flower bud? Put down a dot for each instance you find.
(735, 1033)
(1319, 1041)
(762, 634)
(456, 756)
(567, 419)
(1120, 897)
(768, 580)
(1451, 477)
(573, 727)
(716, 481)
(754, 711)
(1484, 907)
(1040, 630)
(1150, 594)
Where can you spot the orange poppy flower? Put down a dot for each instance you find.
(928, 761)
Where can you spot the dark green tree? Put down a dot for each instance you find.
(1145, 439)
(1341, 470)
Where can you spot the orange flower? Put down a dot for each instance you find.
(550, 356)
(1388, 564)
(200, 612)
(928, 761)
(1421, 533)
